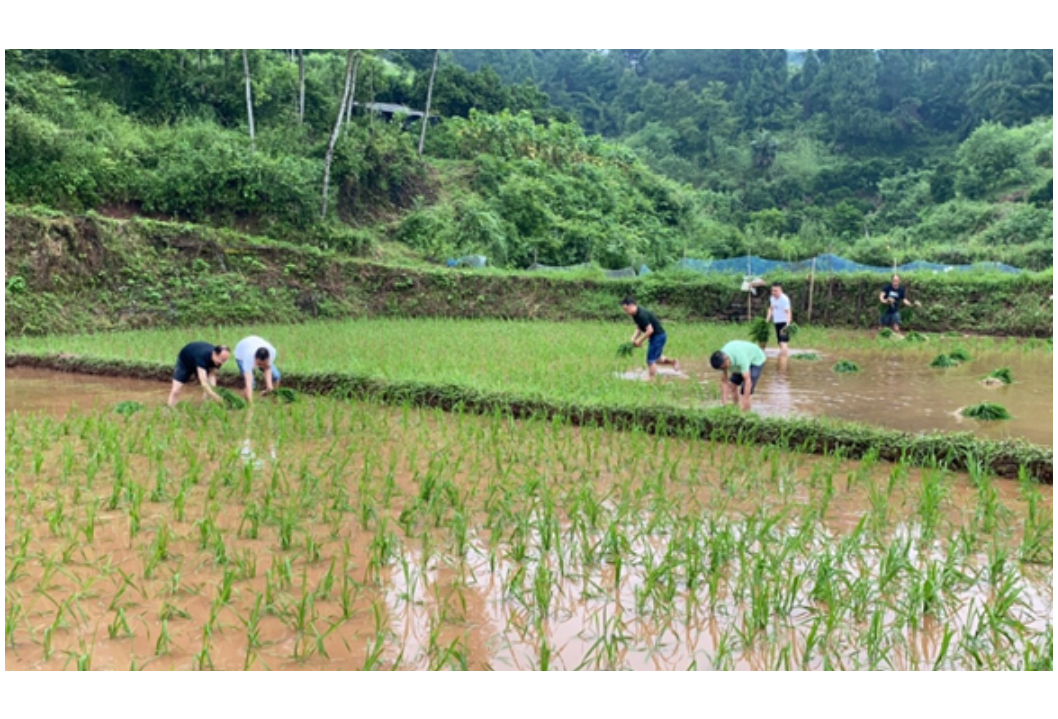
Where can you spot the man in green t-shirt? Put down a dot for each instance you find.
(741, 362)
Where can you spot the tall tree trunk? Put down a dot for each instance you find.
(429, 97)
(352, 90)
(301, 87)
(249, 96)
(334, 135)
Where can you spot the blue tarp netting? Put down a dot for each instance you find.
(468, 261)
(827, 263)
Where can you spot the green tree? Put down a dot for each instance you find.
(851, 80)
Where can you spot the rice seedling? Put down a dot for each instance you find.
(1003, 374)
(807, 356)
(846, 366)
(231, 399)
(286, 394)
(649, 549)
(986, 411)
(960, 355)
(759, 330)
(916, 337)
(128, 407)
(944, 361)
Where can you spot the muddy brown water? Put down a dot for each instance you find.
(900, 390)
(39, 390)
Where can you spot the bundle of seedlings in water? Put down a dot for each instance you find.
(885, 333)
(986, 411)
(759, 330)
(231, 399)
(943, 361)
(805, 356)
(1003, 374)
(913, 336)
(127, 407)
(959, 355)
(286, 394)
(846, 366)
(626, 349)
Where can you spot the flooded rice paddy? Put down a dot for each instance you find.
(336, 535)
(901, 391)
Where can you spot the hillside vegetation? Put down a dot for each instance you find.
(559, 157)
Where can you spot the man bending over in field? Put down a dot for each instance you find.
(745, 360)
(648, 329)
(201, 359)
(254, 353)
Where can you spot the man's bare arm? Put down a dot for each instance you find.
(208, 381)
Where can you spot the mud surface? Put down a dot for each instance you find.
(28, 390)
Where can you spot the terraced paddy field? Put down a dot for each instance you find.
(336, 534)
(577, 363)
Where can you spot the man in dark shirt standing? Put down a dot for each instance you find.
(648, 329)
(893, 296)
(201, 359)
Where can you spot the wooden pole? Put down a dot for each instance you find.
(749, 292)
(249, 96)
(811, 286)
(429, 96)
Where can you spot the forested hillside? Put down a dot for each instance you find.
(612, 157)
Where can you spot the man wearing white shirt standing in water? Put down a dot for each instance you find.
(781, 315)
(254, 353)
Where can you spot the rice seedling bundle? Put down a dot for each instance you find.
(231, 399)
(959, 355)
(943, 361)
(286, 394)
(759, 330)
(986, 411)
(846, 366)
(1003, 374)
(127, 407)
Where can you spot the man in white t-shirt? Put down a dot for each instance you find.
(254, 353)
(781, 315)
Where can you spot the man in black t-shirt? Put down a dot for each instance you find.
(201, 359)
(893, 296)
(648, 328)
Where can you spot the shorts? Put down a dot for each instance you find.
(654, 349)
(782, 331)
(754, 376)
(890, 319)
(185, 369)
(253, 384)
(183, 373)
